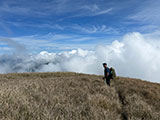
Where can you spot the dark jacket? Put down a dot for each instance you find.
(106, 72)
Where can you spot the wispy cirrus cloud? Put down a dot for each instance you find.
(148, 12)
(92, 8)
(22, 8)
(37, 25)
(26, 12)
(27, 8)
(95, 10)
(103, 29)
(90, 13)
(55, 42)
(103, 12)
(145, 18)
(77, 17)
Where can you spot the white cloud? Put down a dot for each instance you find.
(136, 55)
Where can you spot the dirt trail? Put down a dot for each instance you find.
(121, 99)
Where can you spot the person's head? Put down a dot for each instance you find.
(104, 65)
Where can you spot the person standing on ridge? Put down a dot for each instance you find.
(106, 74)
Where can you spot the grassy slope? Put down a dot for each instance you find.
(71, 96)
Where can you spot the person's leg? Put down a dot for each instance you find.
(108, 81)
(105, 80)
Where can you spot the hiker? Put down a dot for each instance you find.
(106, 74)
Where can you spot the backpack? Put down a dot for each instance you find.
(112, 73)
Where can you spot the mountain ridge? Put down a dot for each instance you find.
(67, 95)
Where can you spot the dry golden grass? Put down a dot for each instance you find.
(140, 99)
(71, 96)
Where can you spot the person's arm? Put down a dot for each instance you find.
(107, 72)
(106, 75)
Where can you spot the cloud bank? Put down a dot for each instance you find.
(136, 55)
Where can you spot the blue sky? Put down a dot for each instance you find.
(58, 25)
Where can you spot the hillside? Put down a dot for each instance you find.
(71, 96)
